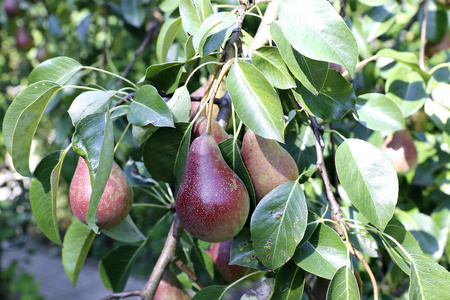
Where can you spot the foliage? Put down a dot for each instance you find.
(330, 87)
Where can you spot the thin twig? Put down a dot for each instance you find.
(154, 27)
(333, 155)
(309, 292)
(342, 8)
(423, 36)
(336, 214)
(366, 266)
(165, 258)
(122, 295)
(188, 272)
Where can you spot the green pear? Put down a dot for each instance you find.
(212, 202)
(269, 165)
(115, 203)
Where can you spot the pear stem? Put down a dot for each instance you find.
(188, 272)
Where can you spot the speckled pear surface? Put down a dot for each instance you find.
(116, 200)
(212, 202)
(269, 165)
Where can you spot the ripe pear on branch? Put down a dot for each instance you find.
(269, 165)
(115, 203)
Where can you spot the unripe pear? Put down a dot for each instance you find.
(212, 202)
(24, 41)
(269, 165)
(220, 253)
(115, 203)
(217, 132)
(400, 149)
(170, 288)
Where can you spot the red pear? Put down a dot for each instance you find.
(212, 202)
(170, 288)
(24, 41)
(220, 253)
(116, 200)
(195, 105)
(400, 149)
(11, 7)
(269, 165)
(217, 132)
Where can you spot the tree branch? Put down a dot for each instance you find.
(423, 36)
(188, 272)
(167, 256)
(122, 295)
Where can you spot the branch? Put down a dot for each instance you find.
(366, 266)
(423, 36)
(342, 8)
(402, 35)
(188, 272)
(336, 214)
(262, 36)
(122, 295)
(167, 256)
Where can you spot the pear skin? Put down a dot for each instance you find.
(269, 165)
(170, 288)
(400, 149)
(212, 202)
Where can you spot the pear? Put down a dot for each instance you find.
(11, 7)
(212, 202)
(170, 288)
(24, 41)
(269, 165)
(217, 132)
(115, 203)
(400, 149)
(220, 254)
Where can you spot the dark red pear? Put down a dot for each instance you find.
(269, 165)
(170, 288)
(24, 41)
(217, 132)
(220, 253)
(116, 200)
(212, 201)
(400, 149)
(11, 7)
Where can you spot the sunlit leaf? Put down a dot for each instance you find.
(58, 70)
(166, 36)
(88, 103)
(343, 286)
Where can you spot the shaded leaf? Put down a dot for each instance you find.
(215, 292)
(320, 33)
(93, 140)
(278, 224)
(165, 76)
(213, 32)
(242, 252)
(149, 108)
(126, 232)
(343, 285)
(379, 19)
(289, 282)
(21, 121)
(88, 103)
(323, 254)
(58, 70)
(166, 36)
(311, 73)
(133, 12)
(255, 101)
(301, 145)
(76, 245)
(334, 101)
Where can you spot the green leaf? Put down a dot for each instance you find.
(369, 179)
(378, 20)
(289, 282)
(165, 76)
(242, 252)
(142, 133)
(213, 32)
(407, 58)
(255, 101)
(269, 61)
(320, 33)
(93, 140)
(373, 2)
(216, 292)
(166, 36)
(44, 193)
(378, 112)
(88, 103)
(301, 145)
(406, 240)
(407, 89)
(311, 73)
(21, 121)
(149, 108)
(429, 280)
(343, 285)
(193, 13)
(126, 232)
(133, 12)
(232, 155)
(180, 104)
(115, 268)
(165, 150)
(323, 254)
(334, 101)
(58, 70)
(76, 245)
(278, 224)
